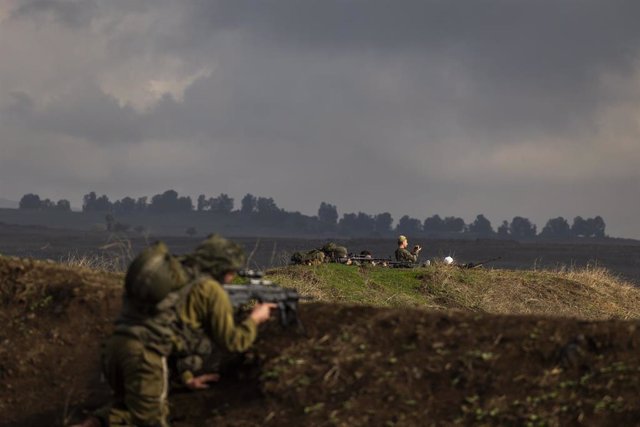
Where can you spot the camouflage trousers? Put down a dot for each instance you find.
(138, 378)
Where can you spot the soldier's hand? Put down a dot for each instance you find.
(262, 312)
(202, 381)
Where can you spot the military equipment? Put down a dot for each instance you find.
(471, 265)
(262, 290)
(153, 275)
(384, 262)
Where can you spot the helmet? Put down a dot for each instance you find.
(329, 247)
(153, 274)
(217, 255)
(401, 239)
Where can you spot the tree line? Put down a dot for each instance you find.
(265, 211)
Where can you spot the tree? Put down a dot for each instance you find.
(522, 228)
(382, 223)
(356, 224)
(503, 230)
(481, 226)
(433, 224)
(556, 227)
(88, 201)
(63, 205)
(223, 203)
(141, 204)
(453, 224)
(47, 205)
(126, 205)
(328, 214)
(92, 203)
(29, 201)
(248, 204)
(202, 203)
(591, 227)
(597, 227)
(409, 226)
(266, 207)
(170, 202)
(580, 228)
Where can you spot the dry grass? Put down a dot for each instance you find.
(588, 293)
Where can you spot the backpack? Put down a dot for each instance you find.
(156, 285)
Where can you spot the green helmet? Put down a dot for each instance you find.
(217, 255)
(153, 274)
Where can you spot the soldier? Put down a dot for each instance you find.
(312, 257)
(167, 302)
(403, 254)
(335, 253)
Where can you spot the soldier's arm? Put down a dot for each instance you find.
(408, 256)
(210, 305)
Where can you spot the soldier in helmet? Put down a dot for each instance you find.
(335, 253)
(403, 254)
(167, 301)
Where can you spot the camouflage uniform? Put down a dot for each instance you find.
(334, 252)
(312, 257)
(135, 356)
(403, 255)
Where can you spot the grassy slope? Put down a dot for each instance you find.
(587, 294)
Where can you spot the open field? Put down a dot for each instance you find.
(621, 257)
(382, 347)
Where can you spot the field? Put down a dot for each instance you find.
(113, 251)
(381, 347)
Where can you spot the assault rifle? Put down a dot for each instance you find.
(265, 291)
(384, 262)
(471, 265)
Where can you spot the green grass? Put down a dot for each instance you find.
(586, 293)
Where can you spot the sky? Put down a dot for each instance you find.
(497, 107)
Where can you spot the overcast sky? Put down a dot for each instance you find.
(499, 107)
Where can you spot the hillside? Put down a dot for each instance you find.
(591, 293)
(382, 347)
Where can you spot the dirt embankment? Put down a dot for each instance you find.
(353, 366)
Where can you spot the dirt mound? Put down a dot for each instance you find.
(353, 366)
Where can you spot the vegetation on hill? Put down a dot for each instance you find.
(590, 293)
(436, 354)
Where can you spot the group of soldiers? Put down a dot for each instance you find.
(176, 316)
(331, 252)
(175, 313)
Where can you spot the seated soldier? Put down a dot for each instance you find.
(403, 254)
(168, 301)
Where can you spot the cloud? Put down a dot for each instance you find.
(420, 107)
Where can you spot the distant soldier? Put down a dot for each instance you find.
(312, 257)
(335, 253)
(403, 254)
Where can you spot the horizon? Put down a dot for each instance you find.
(413, 108)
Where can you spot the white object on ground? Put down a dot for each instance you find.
(448, 260)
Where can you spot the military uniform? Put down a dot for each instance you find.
(135, 357)
(312, 257)
(403, 255)
(334, 252)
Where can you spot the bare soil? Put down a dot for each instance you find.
(352, 366)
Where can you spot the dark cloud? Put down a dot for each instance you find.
(74, 13)
(487, 106)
